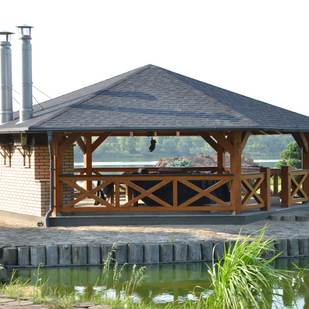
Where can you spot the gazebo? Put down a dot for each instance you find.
(38, 177)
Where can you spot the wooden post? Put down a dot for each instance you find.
(265, 189)
(305, 161)
(286, 198)
(58, 189)
(220, 159)
(88, 159)
(235, 165)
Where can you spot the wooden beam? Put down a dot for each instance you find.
(219, 137)
(100, 140)
(81, 145)
(244, 139)
(209, 140)
(68, 142)
(300, 138)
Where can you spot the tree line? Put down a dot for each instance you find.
(128, 148)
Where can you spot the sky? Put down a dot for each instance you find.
(256, 48)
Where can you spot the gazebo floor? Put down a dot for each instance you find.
(126, 218)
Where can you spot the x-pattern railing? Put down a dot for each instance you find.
(252, 183)
(135, 192)
(297, 180)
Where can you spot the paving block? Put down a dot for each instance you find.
(121, 253)
(94, 254)
(151, 253)
(52, 255)
(65, 254)
(23, 254)
(293, 249)
(180, 252)
(10, 256)
(207, 250)
(166, 252)
(194, 251)
(135, 253)
(79, 254)
(37, 255)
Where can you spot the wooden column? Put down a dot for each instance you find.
(235, 165)
(88, 159)
(265, 189)
(220, 159)
(58, 189)
(305, 160)
(286, 199)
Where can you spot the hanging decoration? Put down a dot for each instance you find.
(152, 145)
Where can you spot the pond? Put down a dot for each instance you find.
(163, 283)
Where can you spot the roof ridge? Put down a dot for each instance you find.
(90, 96)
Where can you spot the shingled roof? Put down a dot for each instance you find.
(151, 98)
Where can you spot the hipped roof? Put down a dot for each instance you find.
(151, 98)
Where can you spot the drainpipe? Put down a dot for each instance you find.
(25, 112)
(51, 177)
(6, 99)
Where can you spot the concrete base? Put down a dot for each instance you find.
(156, 218)
(171, 218)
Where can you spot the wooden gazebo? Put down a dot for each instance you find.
(150, 101)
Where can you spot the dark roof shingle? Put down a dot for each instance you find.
(155, 99)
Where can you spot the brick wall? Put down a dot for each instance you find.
(24, 186)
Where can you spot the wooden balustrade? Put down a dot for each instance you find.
(292, 189)
(256, 188)
(136, 192)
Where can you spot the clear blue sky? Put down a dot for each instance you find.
(255, 48)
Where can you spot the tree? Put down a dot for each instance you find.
(291, 156)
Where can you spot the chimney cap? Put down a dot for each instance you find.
(24, 26)
(7, 34)
(24, 30)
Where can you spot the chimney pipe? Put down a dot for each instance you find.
(6, 105)
(25, 112)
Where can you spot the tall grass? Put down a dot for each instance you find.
(243, 278)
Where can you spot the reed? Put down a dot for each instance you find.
(243, 278)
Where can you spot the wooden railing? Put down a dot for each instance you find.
(132, 184)
(258, 186)
(256, 190)
(292, 187)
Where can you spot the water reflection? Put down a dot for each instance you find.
(163, 283)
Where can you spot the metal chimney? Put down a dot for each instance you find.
(25, 112)
(6, 105)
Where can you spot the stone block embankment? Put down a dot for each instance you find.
(136, 253)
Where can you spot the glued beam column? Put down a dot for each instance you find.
(235, 165)
(88, 159)
(305, 161)
(58, 189)
(220, 159)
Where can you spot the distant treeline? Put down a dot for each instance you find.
(137, 148)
